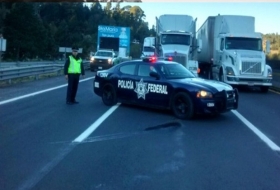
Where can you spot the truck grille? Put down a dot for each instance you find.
(180, 59)
(251, 67)
(101, 61)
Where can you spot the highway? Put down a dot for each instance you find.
(48, 145)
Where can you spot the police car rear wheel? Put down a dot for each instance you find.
(109, 96)
(182, 106)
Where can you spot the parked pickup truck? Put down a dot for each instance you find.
(103, 59)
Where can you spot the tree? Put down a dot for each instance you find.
(23, 30)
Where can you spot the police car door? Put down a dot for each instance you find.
(125, 83)
(148, 89)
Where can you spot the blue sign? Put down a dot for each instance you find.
(123, 33)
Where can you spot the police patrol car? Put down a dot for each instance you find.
(161, 83)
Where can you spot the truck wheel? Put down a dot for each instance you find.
(182, 106)
(221, 76)
(264, 89)
(109, 96)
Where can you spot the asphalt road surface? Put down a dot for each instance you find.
(46, 144)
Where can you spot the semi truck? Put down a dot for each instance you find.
(148, 47)
(175, 38)
(232, 52)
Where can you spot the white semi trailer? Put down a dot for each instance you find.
(232, 51)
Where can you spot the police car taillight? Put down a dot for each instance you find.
(153, 59)
(168, 58)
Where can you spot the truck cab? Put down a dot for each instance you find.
(177, 44)
(176, 39)
(232, 52)
(240, 60)
(148, 47)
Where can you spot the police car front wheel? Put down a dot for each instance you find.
(182, 105)
(109, 96)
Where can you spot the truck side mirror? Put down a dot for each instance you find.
(267, 47)
(199, 43)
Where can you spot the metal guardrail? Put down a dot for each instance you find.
(28, 64)
(14, 71)
(18, 72)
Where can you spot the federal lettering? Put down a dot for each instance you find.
(157, 88)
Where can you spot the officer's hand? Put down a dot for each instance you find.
(66, 77)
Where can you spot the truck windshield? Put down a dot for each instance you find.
(243, 43)
(104, 54)
(180, 39)
(149, 49)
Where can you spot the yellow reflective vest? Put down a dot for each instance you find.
(75, 65)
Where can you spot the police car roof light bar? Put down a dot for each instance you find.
(154, 59)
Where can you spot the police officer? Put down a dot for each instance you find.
(73, 68)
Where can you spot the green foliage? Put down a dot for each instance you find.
(135, 50)
(37, 30)
(25, 33)
(274, 41)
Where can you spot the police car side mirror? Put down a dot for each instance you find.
(154, 74)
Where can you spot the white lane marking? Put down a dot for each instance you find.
(39, 92)
(94, 126)
(262, 136)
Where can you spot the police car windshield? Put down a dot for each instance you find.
(176, 71)
(104, 54)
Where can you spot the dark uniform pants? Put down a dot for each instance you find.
(73, 82)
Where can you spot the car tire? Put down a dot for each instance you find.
(264, 89)
(221, 76)
(109, 96)
(182, 106)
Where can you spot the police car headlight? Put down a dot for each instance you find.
(204, 94)
(109, 60)
(92, 59)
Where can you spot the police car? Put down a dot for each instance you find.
(160, 83)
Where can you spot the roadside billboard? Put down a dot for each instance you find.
(115, 32)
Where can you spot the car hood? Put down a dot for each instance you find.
(203, 83)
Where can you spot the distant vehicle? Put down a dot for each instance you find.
(148, 47)
(103, 59)
(232, 52)
(163, 84)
